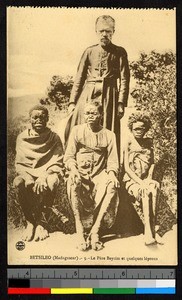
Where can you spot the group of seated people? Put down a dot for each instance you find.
(91, 162)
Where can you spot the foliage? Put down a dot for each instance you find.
(58, 92)
(15, 126)
(155, 93)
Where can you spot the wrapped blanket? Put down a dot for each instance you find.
(38, 152)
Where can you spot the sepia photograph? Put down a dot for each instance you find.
(91, 126)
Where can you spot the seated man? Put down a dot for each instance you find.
(139, 164)
(39, 161)
(92, 161)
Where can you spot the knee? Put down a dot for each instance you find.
(74, 186)
(52, 181)
(29, 183)
(18, 182)
(154, 187)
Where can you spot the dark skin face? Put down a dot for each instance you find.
(39, 120)
(92, 116)
(138, 130)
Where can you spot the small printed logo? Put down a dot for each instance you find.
(20, 245)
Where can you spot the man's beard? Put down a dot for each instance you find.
(105, 42)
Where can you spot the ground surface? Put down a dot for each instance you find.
(60, 249)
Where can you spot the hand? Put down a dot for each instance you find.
(114, 179)
(120, 110)
(23, 178)
(40, 185)
(71, 108)
(17, 181)
(150, 184)
(154, 183)
(75, 176)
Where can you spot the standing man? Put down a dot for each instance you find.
(103, 74)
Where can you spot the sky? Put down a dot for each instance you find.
(43, 42)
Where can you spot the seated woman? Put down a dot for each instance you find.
(92, 160)
(39, 163)
(139, 164)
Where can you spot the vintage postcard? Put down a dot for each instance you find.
(92, 175)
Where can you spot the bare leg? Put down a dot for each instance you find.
(155, 192)
(28, 232)
(154, 189)
(45, 199)
(82, 244)
(146, 211)
(52, 181)
(96, 244)
(40, 233)
(26, 200)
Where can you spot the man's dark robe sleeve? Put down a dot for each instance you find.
(124, 78)
(80, 78)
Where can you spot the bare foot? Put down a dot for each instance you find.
(150, 241)
(82, 244)
(159, 239)
(41, 233)
(28, 232)
(96, 244)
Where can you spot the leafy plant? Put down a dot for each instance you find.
(58, 92)
(155, 93)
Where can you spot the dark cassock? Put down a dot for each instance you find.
(102, 75)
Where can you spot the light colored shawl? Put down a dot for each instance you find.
(36, 153)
